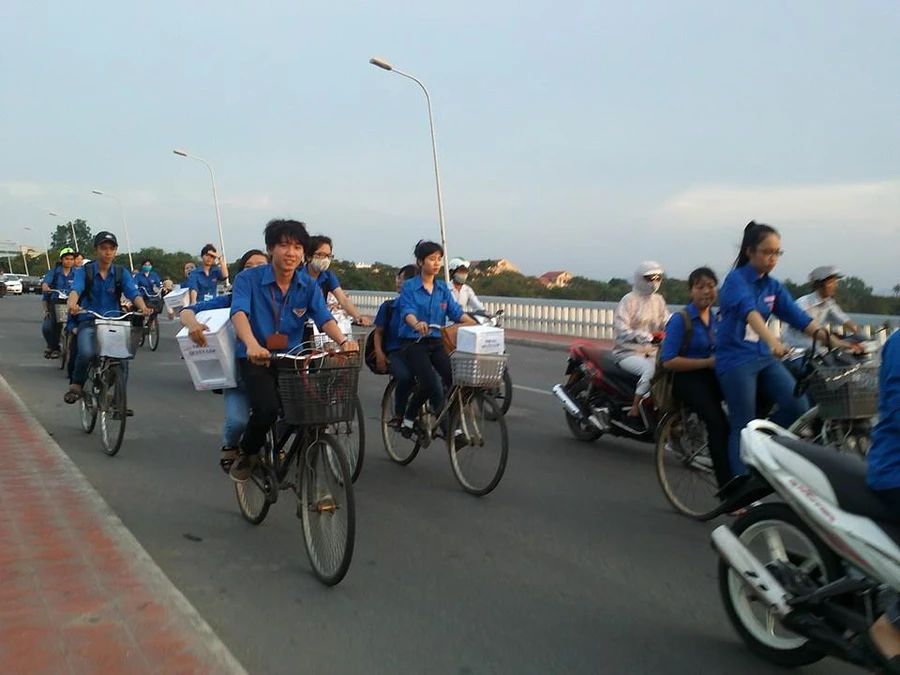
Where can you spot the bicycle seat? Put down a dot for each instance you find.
(847, 477)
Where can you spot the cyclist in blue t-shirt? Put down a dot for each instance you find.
(319, 255)
(60, 278)
(389, 357)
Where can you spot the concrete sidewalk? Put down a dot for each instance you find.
(79, 594)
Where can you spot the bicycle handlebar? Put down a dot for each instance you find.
(121, 317)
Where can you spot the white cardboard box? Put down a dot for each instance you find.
(480, 340)
(213, 366)
(176, 299)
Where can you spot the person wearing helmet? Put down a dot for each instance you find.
(821, 305)
(461, 291)
(59, 278)
(639, 322)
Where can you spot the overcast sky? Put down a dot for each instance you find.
(578, 135)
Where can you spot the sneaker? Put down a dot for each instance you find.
(461, 440)
(243, 467)
(407, 428)
(396, 422)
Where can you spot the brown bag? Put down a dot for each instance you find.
(448, 335)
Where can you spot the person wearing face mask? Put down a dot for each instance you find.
(319, 256)
(639, 321)
(147, 281)
(462, 292)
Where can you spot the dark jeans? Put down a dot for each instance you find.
(424, 358)
(403, 376)
(891, 499)
(51, 331)
(86, 352)
(741, 386)
(699, 390)
(73, 355)
(261, 387)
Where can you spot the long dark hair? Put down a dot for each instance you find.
(754, 233)
(242, 263)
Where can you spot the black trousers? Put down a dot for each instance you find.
(699, 390)
(261, 385)
(421, 357)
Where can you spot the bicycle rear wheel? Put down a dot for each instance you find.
(327, 509)
(478, 443)
(113, 410)
(64, 350)
(684, 466)
(352, 438)
(399, 449)
(88, 403)
(153, 335)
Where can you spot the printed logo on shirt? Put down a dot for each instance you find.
(300, 312)
(770, 301)
(444, 306)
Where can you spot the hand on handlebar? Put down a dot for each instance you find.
(780, 350)
(422, 328)
(657, 337)
(363, 321)
(350, 346)
(258, 355)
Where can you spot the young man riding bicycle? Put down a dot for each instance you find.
(97, 287)
(269, 308)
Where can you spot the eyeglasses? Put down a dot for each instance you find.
(772, 253)
(653, 277)
(323, 256)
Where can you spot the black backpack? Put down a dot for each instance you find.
(369, 352)
(89, 280)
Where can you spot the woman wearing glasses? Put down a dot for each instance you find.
(318, 259)
(748, 354)
(639, 322)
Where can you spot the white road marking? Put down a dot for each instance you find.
(533, 390)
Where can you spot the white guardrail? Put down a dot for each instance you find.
(591, 320)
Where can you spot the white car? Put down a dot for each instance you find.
(13, 284)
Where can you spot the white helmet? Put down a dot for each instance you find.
(456, 263)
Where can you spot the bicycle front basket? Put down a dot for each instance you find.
(60, 310)
(845, 392)
(319, 389)
(478, 370)
(116, 339)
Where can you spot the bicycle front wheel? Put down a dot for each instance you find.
(153, 336)
(64, 350)
(88, 403)
(113, 410)
(327, 509)
(684, 466)
(478, 443)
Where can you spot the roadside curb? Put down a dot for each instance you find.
(182, 616)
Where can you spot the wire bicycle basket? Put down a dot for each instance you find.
(318, 388)
(478, 370)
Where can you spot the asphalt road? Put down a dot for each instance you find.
(573, 565)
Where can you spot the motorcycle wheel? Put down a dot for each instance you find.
(583, 431)
(762, 529)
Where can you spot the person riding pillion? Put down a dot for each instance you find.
(463, 292)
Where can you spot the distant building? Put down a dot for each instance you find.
(489, 268)
(555, 279)
(362, 266)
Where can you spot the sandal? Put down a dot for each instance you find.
(54, 354)
(72, 396)
(229, 455)
(47, 353)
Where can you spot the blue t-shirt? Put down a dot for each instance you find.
(58, 280)
(884, 455)
(703, 337)
(433, 308)
(218, 302)
(326, 281)
(391, 329)
(204, 284)
(103, 298)
(743, 291)
(256, 294)
(148, 284)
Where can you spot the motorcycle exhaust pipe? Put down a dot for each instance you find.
(752, 571)
(574, 409)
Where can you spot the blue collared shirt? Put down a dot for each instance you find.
(703, 337)
(103, 298)
(884, 455)
(59, 280)
(204, 284)
(148, 284)
(327, 281)
(432, 308)
(256, 294)
(391, 329)
(743, 291)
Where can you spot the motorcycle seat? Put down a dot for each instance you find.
(847, 476)
(593, 354)
(609, 364)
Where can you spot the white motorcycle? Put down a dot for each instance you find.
(805, 577)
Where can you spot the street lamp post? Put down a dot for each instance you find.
(72, 223)
(25, 259)
(212, 177)
(124, 224)
(46, 245)
(384, 65)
